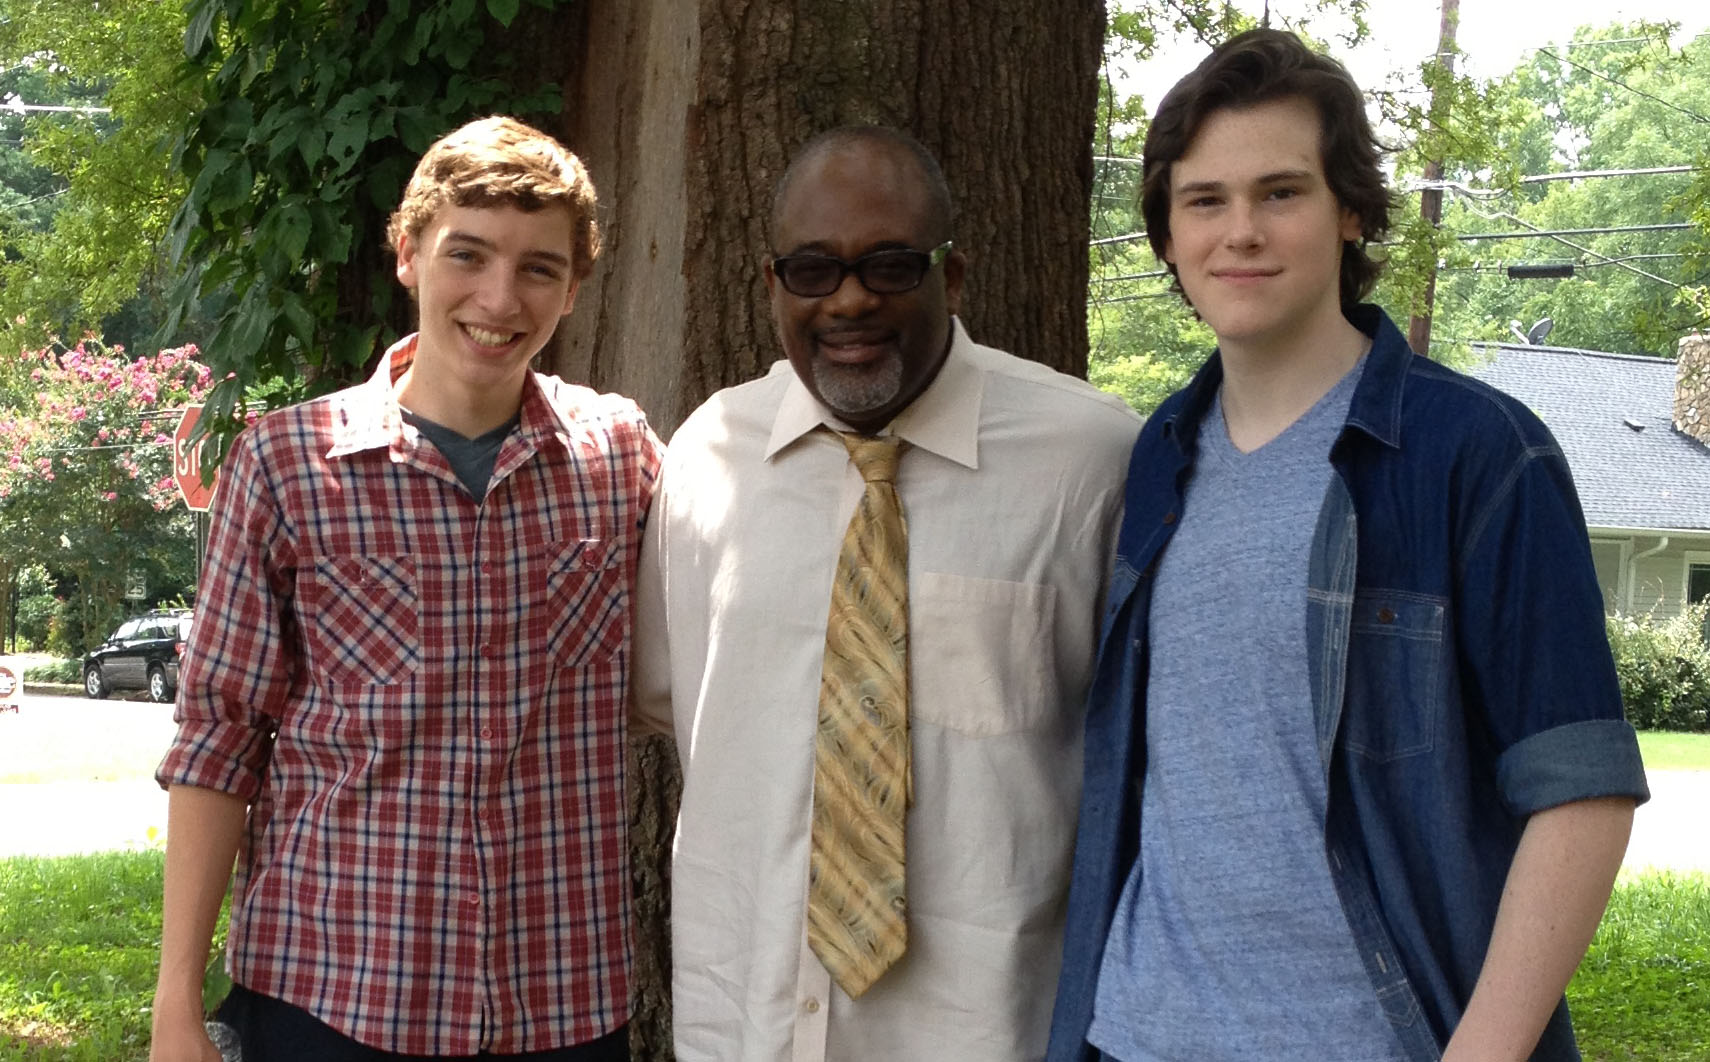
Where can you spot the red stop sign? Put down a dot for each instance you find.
(187, 463)
(8, 684)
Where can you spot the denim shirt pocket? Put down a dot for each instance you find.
(1396, 675)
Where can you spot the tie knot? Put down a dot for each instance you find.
(875, 456)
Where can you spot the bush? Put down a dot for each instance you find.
(70, 671)
(36, 605)
(1664, 669)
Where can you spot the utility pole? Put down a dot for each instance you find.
(1431, 199)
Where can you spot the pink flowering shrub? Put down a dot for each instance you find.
(102, 418)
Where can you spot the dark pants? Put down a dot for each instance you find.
(275, 1031)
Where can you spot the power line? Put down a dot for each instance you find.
(1675, 226)
(1695, 116)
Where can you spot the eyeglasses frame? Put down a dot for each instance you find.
(934, 258)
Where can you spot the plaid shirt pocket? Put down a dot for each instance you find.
(587, 602)
(360, 620)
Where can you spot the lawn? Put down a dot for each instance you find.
(1667, 751)
(1643, 991)
(78, 940)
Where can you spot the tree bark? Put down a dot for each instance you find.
(686, 112)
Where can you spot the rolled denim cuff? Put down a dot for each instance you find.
(1579, 761)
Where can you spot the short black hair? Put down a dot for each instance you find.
(1263, 66)
(940, 207)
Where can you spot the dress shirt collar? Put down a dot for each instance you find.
(945, 419)
(368, 416)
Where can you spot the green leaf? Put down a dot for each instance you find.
(201, 28)
(504, 10)
(348, 139)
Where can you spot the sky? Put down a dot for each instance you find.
(1493, 35)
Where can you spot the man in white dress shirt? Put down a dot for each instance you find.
(1010, 484)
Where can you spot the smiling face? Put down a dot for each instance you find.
(491, 284)
(1256, 234)
(865, 357)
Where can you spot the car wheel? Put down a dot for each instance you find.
(158, 690)
(93, 684)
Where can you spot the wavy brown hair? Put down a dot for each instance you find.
(1262, 66)
(501, 162)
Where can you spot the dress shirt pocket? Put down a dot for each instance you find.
(360, 619)
(980, 653)
(1395, 674)
(587, 602)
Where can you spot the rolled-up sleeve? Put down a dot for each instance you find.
(1535, 647)
(240, 661)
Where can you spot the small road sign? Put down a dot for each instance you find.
(187, 463)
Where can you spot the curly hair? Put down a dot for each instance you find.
(500, 161)
(1262, 66)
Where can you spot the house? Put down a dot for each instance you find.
(1636, 431)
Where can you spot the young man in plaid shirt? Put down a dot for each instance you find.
(403, 704)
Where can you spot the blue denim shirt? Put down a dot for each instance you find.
(1461, 679)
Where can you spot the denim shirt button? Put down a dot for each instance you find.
(1169, 517)
(1386, 615)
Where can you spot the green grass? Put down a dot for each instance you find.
(79, 945)
(79, 938)
(1675, 752)
(1643, 991)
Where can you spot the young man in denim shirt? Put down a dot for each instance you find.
(1357, 778)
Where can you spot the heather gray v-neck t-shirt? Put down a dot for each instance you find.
(1229, 941)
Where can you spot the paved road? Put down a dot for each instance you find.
(75, 777)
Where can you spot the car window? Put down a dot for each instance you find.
(127, 630)
(183, 628)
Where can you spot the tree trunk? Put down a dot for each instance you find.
(687, 111)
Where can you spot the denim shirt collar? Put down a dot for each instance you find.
(1376, 406)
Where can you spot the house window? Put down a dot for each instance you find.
(1697, 582)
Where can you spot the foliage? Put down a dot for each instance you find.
(86, 480)
(37, 605)
(1614, 98)
(89, 255)
(1640, 992)
(1664, 669)
(67, 671)
(308, 121)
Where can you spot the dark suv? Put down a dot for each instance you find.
(141, 655)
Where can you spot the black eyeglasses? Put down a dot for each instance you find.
(889, 272)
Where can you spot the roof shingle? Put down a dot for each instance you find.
(1613, 415)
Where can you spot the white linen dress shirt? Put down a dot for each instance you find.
(1011, 487)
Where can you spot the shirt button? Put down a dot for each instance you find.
(1385, 615)
(473, 899)
(487, 649)
(486, 567)
(486, 733)
(811, 1005)
(1169, 518)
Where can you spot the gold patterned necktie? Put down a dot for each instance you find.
(862, 784)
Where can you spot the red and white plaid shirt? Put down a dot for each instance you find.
(423, 698)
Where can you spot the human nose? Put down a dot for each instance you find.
(499, 292)
(850, 298)
(1243, 231)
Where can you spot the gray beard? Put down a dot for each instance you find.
(858, 390)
